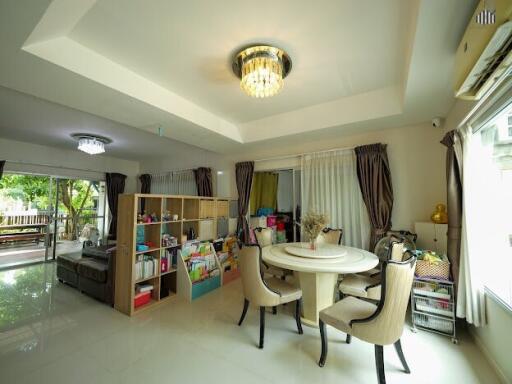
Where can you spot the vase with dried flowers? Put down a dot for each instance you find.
(312, 224)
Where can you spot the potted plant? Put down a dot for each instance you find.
(312, 224)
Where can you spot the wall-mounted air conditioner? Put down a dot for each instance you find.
(484, 53)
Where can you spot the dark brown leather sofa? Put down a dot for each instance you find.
(92, 271)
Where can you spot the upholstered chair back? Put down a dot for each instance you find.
(263, 236)
(254, 286)
(386, 325)
(397, 251)
(330, 236)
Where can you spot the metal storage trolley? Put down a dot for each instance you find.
(433, 306)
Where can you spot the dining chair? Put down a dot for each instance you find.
(264, 292)
(380, 324)
(330, 236)
(264, 238)
(369, 286)
(394, 236)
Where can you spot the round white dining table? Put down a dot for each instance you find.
(317, 271)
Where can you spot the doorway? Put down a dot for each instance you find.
(79, 215)
(275, 202)
(43, 216)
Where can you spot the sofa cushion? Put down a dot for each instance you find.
(67, 275)
(102, 252)
(93, 269)
(69, 260)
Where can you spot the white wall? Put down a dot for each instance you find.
(417, 162)
(184, 156)
(33, 158)
(495, 338)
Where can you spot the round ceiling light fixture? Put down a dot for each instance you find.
(91, 144)
(261, 69)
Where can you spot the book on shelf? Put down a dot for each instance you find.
(140, 288)
(145, 266)
(168, 259)
(200, 261)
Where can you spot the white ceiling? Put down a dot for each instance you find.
(189, 50)
(356, 65)
(30, 119)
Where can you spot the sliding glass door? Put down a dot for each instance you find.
(79, 215)
(25, 215)
(43, 216)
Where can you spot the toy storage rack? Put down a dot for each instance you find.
(230, 268)
(431, 310)
(191, 211)
(193, 290)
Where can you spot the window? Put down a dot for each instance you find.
(174, 183)
(493, 171)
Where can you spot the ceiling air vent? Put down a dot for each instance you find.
(492, 63)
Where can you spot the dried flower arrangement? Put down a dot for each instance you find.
(312, 224)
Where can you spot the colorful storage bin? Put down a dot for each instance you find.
(258, 222)
(141, 299)
(280, 237)
(264, 211)
(201, 288)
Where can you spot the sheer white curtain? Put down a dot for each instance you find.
(470, 292)
(329, 185)
(174, 183)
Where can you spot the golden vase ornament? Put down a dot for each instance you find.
(440, 216)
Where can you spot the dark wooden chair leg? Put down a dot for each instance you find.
(379, 364)
(244, 311)
(297, 316)
(323, 336)
(262, 326)
(398, 348)
(348, 339)
(274, 310)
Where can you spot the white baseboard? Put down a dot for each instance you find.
(480, 344)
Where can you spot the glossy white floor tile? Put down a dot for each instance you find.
(50, 333)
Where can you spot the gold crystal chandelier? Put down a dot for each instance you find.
(261, 69)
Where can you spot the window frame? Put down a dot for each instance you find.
(483, 113)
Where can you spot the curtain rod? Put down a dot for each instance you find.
(302, 154)
(163, 173)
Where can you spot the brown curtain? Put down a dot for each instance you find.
(375, 182)
(2, 164)
(115, 186)
(454, 202)
(145, 187)
(244, 172)
(203, 178)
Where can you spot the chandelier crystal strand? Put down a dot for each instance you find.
(91, 146)
(261, 71)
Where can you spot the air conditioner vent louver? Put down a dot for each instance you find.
(494, 60)
(493, 63)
